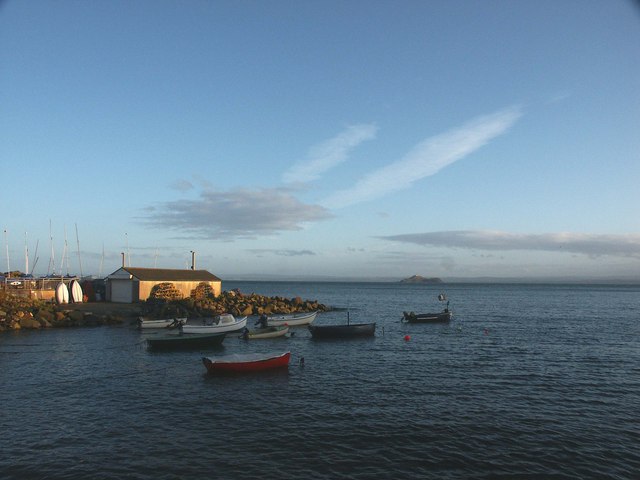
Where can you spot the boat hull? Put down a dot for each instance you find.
(292, 320)
(343, 331)
(232, 364)
(186, 342)
(226, 328)
(144, 324)
(62, 293)
(269, 332)
(411, 317)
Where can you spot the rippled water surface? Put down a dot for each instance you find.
(527, 381)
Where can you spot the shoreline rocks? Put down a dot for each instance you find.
(17, 313)
(234, 302)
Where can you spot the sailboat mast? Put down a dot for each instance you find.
(35, 262)
(52, 257)
(79, 259)
(64, 253)
(6, 241)
(26, 255)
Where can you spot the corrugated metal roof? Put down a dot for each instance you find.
(168, 275)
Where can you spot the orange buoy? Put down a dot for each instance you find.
(407, 338)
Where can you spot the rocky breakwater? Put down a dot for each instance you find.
(18, 313)
(234, 302)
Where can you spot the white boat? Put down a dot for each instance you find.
(62, 293)
(292, 319)
(268, 332)
(75, 292)
(144, 323)
(222, 323)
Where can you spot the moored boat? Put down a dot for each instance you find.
(182, 341)
(351, 330)
(444, 316)
(144, 323)
(411, 317)
(246, 363)
(222, 323)
(266, 332)
(292, 319)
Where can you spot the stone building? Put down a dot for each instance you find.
(129, 284)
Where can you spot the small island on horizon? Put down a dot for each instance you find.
(421, 279)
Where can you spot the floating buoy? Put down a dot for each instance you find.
(486, 331)
(407, 338)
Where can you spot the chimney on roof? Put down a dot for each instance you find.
(123, 265)
(193, 260)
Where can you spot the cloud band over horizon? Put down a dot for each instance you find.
(622, 245)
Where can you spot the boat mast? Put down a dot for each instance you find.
(79, 259)
(26, 255)
(52, 257)
(64, 254)
(36, 258)
(6, 241)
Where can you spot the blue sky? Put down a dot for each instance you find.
(348, 139)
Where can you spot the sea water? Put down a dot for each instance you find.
(526, 381)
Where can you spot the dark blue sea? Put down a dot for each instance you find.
(526, 381)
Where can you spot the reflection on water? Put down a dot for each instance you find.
(537, 380)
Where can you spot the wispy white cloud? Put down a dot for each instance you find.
(281, 253)
(328, 154)
(623, 245)
(233, 214)
(181, 185)
(427, 158)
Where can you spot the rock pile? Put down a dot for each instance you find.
(234, 302)
(18, 313)
(23, 313)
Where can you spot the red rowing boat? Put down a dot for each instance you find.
(252, 362)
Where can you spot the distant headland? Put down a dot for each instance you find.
(419, 279)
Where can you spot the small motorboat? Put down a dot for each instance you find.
(292, 319)
(444, 316)
(182, 341)
(265, 332)
(351, 330)
(411, 317)
(246, 363)
(144, 323)
(222, 323)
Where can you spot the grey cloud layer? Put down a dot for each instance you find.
(238, 213)
(627, 245)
